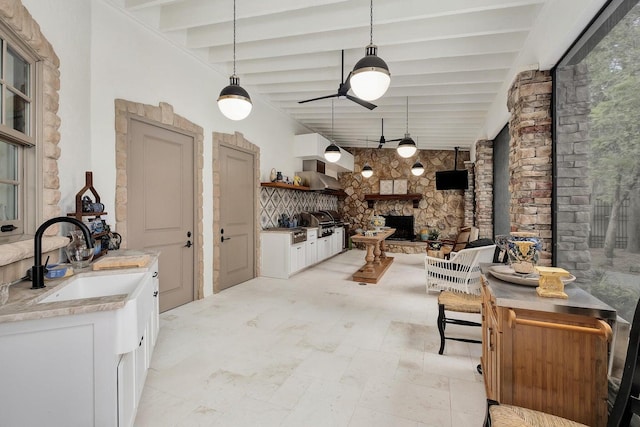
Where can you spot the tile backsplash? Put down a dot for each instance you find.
(277, 201)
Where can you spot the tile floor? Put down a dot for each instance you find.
(314, 350)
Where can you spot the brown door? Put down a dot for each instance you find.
(160, 205)
(237, 216)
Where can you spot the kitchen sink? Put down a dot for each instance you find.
(130, 319)
(95, 286)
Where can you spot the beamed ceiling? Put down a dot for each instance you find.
(453, 60)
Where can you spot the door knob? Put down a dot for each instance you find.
(188, 245)
(222, 238)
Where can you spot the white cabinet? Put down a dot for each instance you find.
(324, 248)
(276, 254)
(311, 247)
(72, 365)
(298, 258)
(338, 235)
(133, 366)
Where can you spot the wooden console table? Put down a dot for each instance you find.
(377, 261)
(546, 354)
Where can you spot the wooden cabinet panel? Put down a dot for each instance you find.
(545, 360)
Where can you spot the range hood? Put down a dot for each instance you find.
(314, 178)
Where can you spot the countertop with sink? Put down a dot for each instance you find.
(24, 302)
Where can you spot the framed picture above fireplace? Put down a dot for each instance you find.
(399, 186)
(386, 186)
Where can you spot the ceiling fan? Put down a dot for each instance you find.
(382, 139)
(343, 88)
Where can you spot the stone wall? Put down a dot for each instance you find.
(530, 156)
(18, 19)
(444, 210)
(573, 186)
(484, 188)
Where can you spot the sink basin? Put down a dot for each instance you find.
(96, 286)
(130, 320)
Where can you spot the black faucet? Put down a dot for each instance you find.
(37, 271)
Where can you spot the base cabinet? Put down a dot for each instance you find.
(544, 360)
(65, 370)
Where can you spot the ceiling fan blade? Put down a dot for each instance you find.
(347, 83)
(395, 140)
(364, 103)
(316, 99)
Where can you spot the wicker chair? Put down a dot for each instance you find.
(465, 235)
(458, 281)
(461, 273)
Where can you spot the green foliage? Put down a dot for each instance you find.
(618, 295)
(614, 72)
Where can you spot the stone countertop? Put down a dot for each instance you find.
(23, 301)
(525, 297)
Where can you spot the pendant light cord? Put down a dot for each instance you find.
(371, 23)
(333, 137)
(234, 37)
(407, 114)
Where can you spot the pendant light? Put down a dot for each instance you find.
(332, 152)
(367, 171)
(370, 77)
(234, 102)
(406, 147)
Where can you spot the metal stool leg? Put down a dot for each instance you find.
(442, 322)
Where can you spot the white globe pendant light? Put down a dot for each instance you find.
(367, 171)
(406, 147)
(417, 169)
(234, 102)
(370, 77)
(332, 152)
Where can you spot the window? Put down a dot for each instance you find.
(17, 139)
(597, 158)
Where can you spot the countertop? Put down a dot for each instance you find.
(22, 303)
(525, 297)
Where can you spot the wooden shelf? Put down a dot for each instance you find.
(284, 185)
(372, 198)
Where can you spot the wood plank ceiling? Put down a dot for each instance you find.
(453, 60)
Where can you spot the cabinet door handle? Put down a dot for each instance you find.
(602, 328)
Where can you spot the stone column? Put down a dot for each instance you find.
(484, 188)
(573, 186)
(469, 195)
(530, 156)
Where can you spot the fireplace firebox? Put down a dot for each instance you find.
(403, 225)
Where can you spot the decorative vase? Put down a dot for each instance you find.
(78, 254)
(377, 222)
(524, 250)
(273, 175)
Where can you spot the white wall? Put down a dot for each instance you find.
(105, 55)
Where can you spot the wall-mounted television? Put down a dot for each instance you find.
(452, 180)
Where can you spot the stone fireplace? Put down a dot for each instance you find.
(404, 225)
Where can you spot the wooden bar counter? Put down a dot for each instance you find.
(547, 354)
(377, 261)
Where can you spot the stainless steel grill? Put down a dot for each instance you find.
(320, 219)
